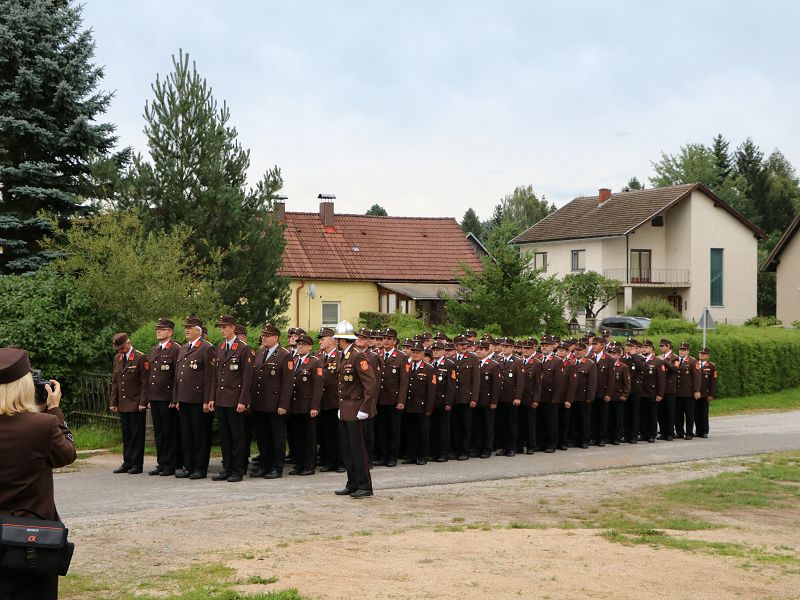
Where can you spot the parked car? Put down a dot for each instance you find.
(624, 325)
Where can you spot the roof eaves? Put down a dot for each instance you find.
(669, 205)
(771, 263)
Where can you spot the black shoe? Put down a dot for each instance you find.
(452, 455)
(274, 474)
(486, 454)
(257, 473)
(688, 436)
(343, 492)
(601, 444)
(529, 451)
(651, 440)
(294, 471)
(441, 459)
(703, 435)
(463, 457)
(135, 471)
(633, 441)
(408, 461)
(122, 469)
(585, 446)
(221, 476)
(361, 494)
(500, 453)
(234, 478)
(155, 471)
(306, 472)
(474, 454)
(389, 463)
(169, 473)
(615, 443)
(326, 469)
(510, 453)
(197, 475)
(184, 474)
(422, 461)
(341, 470)
(670, 438)
(550, 450)
(663, 438)
(562, 447)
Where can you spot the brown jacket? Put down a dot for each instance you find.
(605, 375)
(233, 375)
(194, 380)
(394, 378)
(308, 382)
(622, 381)
(272, 381)
(512, 379)
(421, 394)
(468, 378)
(635, 364)
(671, 379)
(490, 383)
(129, 382)
(533, 381)
(358, 385)
(583, 381)
(31, 445)
(654, 375)
(708, 379)
(163, 363)
(554, 380)
(330, 379)
(689, 377)
(445, 382)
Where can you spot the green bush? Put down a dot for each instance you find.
(660, 326)
(762, 322)
(373, 320)
(652, 307)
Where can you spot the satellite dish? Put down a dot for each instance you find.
(312, 291)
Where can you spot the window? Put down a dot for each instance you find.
(640, 266)
(540, 261)
(578, 260)
(716, 276)
(330, 314)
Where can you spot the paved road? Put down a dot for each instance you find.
(94, 490)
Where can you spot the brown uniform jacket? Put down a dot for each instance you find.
(490, 383)
(445, 382)
(554, 380)
(636, 367)
(358, 385)
(421, 394)
(689, 377)
(273, 379)
(468, 378)
(163, 366)
(129, 382)
(708, 379)
(194, 380)
(394, 378)
(605, 375)
(671, 380)
(308, 382)
(330, 379)
(583, 380)
(233, 375)
(512, 379)
(622, 381)
(654, 375)
(533, 381)
(31, 445)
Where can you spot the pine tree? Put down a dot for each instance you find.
(470, 223)
(749, 162)
(49, 136)
(376, 210)
(197, 177)
(633, 185)
(722, 159)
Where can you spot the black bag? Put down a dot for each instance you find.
(34, 546)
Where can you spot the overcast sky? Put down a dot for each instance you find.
(428, 108)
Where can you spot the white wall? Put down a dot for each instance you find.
(788, 288)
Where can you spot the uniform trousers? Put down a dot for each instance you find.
(483, 429)
(270, 432)
(666, 416)
(527, 428)
(247, 416)
(328, 435)
(193, 422)
(461, 432)
(506, 427)
(387, 434)
(28, 587)
(440, 432)
(304, 433)
(616, 419)
(209, 417)
(632, 417)
(564, 416)
(549, 420)
(648, 417)
(701, 416)
(599, 420)
(133, 424)
(580, 422)
(352, 437)
(416, 428)
(684, 416)
(231, 440)
(166, 428)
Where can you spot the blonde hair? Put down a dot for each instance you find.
(18, 396)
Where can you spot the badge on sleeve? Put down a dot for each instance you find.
(290, 365)
(364, 365)
(433, 378)
(319, 371)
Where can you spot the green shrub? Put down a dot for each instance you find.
(796, 324)
(373, 320)
(660, 326)
(762, 322)
(652, 307)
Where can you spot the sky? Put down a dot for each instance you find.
(429, 108)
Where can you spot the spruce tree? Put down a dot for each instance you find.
(470, 223)
(49, 134)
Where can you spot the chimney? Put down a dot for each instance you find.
(604, 195)
(279, 206)
(326, 214)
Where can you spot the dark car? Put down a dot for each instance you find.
(627, 326)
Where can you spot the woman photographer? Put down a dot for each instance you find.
(33, 440)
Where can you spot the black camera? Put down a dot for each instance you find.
(38, 383)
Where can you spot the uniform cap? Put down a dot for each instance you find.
(564, 346)
(193, 322)
(705, 350)
(375, 334)
(556, 339)
(119, 339)
(14, 364)
(440, 335)
(407, 343)
(590, 333)
(647, 343)
(226, 320)
(598, 340)
(547, 341)
(427, 335)
(460, 339)
(632, 342)
(291, 331)
(344, 331)
(489, 338)
(615, 349)
(506, 341)
(270, 330)
(571, 341)
(165, 323)
(471, 333)
(438, 345)
(325, 332)
(363, 332)
(449, 346)
(665, 342)
(239, 329)
(580, 346)
(389, 333)
(606, 332)
(585, 339)
(416, 346)
(299, 331)
(684, 346)
(428, 353)
(483, 344)
(304, 338)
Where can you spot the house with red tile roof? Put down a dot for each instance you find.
(343, 264)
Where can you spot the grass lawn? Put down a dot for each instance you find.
(779, 401)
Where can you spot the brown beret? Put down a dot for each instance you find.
(14, 364)
(119, 340)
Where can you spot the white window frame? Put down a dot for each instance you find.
(338, 306)
(581, 253)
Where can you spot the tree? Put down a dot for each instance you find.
(49, 136)
(196, 177)
(589, 291)
(522, 208)
(470, 223)
(376, 210)
(633, 185)
(783, 194)
(722, 159)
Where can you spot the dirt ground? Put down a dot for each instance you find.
(445, 541)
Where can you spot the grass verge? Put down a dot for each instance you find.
(779, 401)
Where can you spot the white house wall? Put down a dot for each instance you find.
(788, 287)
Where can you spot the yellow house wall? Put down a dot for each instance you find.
(353, 297)
(788, 276)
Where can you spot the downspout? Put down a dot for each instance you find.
(627, 259)
(297, 302)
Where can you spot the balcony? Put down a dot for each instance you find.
(650, 277)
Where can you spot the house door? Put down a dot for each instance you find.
(677, 302)
(640, 266)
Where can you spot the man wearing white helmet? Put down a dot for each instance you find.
(357, 388)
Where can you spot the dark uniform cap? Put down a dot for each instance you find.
(427, 335)
(489, 338)
(440, 335)
(482, 344)
(376, 334)
(165, 323)
(299, 331)
(14, 364)
(460, 339)
(363, 332)
(193, 322)
(585, 339)
(506, 341)
(304, 338)
(389, 333)
(705, 350)
(647, 343)
(684, 346)
(547, 341)
(406, 343)
(598, 340)
(271, 330)
(580, 346)
(606, 333)
(564, 346)
(428, 353)
(226, 320)
(471, 333)
(615, 349)
(119, 340)
(665, 342)
(239, 329)
(291, 331)
(325, 332)
(632, 342)
(449, 346)
(571, 341)
(438, 345)
(416, 346)
(590, 333)
(556, 339)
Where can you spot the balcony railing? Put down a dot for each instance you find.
(649, 276)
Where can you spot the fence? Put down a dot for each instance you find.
(90, 394)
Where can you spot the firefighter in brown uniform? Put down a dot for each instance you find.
(483, 410)
(635, 363)
(622, 388)
(445, 393)
(358, 390)
(327, 421)
(233, 378)
(565, 407)
(688, 386)
(418, 406)
(375, 361)
(468, 385)
(708, 391)
(194, 389)
(654, 375)
(270, 399)
(306, 401)
(129, 400)
(581, 392)
(553, 393)
(163, 361)
(666, 409)
(512, 388)
(394, 387)
(603, 393)
(532, 368)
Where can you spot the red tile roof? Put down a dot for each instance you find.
(368, 248)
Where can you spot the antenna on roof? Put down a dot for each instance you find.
(326, 197)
